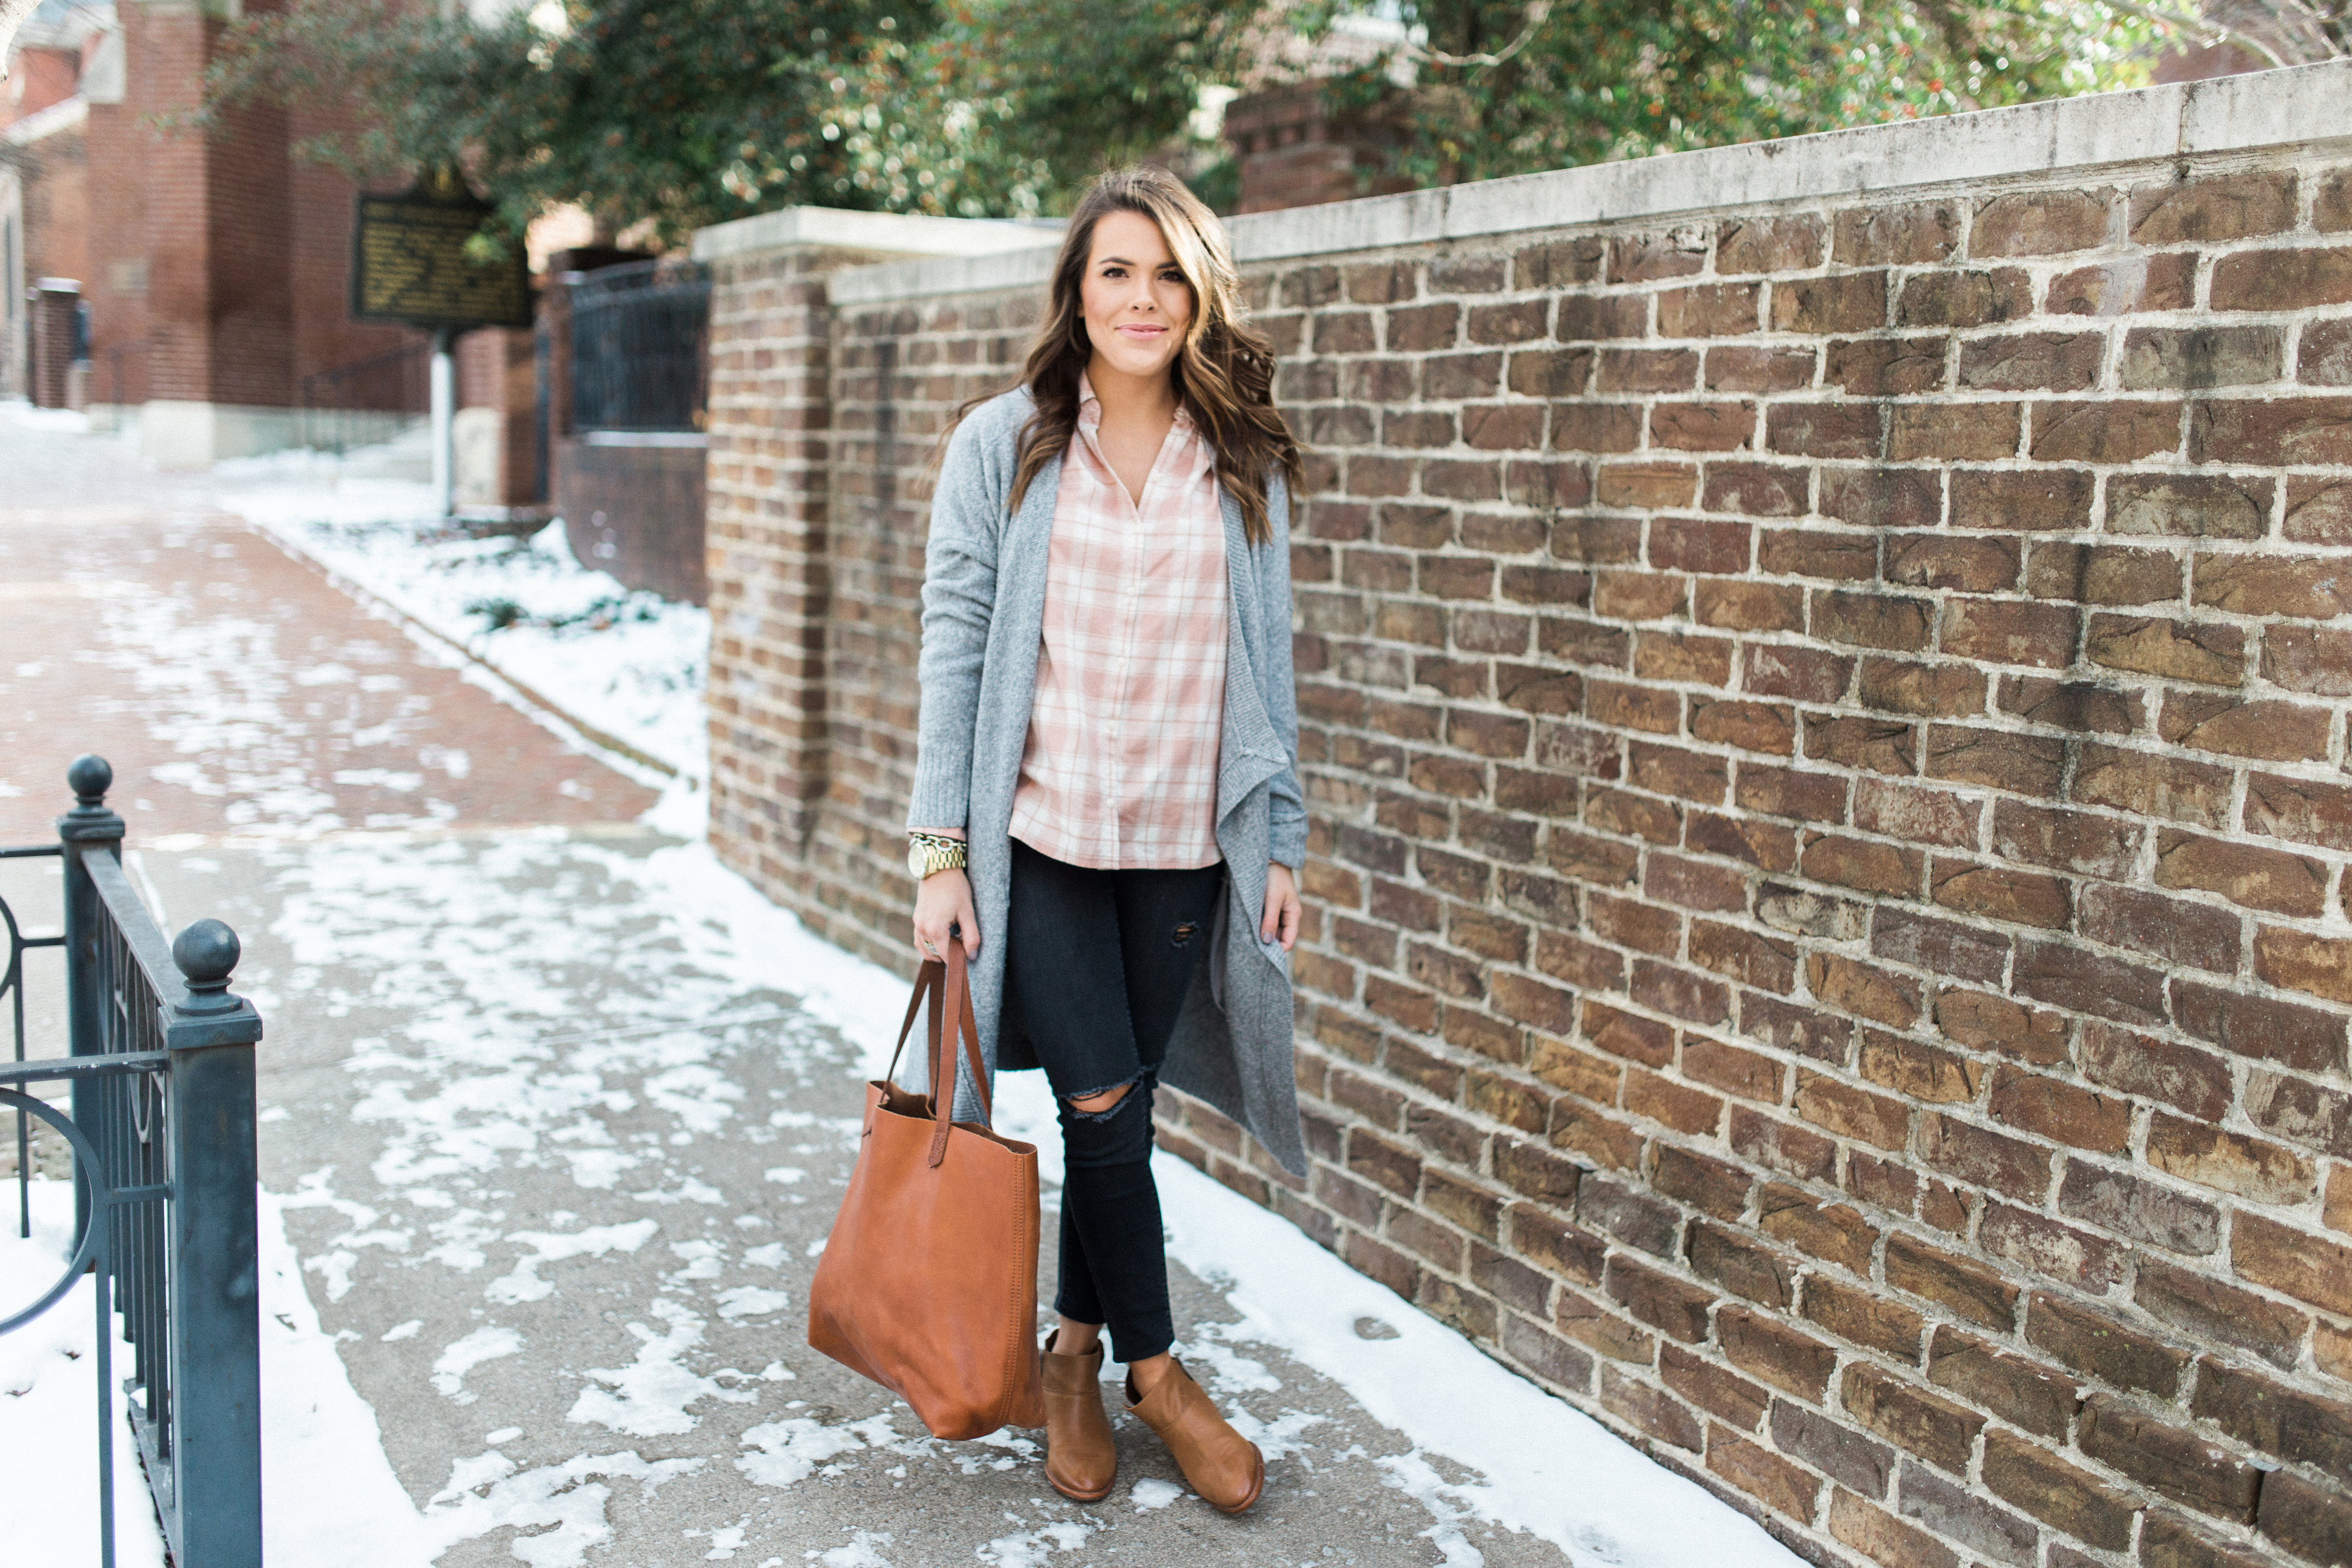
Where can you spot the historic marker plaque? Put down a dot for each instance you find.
(409, 261)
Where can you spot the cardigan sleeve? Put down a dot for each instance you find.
(959, 602)
(1286, 807)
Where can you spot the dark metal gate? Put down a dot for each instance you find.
(162, 1133)
(639, 350)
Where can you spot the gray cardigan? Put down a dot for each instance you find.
(984, 615)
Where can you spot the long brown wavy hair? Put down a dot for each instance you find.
(1224, 373)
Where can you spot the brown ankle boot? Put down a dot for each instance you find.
(1223, 1467)
(1081, 1460)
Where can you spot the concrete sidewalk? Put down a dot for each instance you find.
(548, 1118)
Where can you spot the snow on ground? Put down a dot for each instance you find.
(628, 662)
(494, 1071)
(18, 412)
(1542, 1466)
(48, 1407)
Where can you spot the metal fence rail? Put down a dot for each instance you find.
(162, 1133)
(367, 401)
(639, 346)
(12, 985)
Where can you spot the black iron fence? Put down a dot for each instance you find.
(367, 401)
(640, 347)
(161, 1132)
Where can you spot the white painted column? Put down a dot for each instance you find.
(444, 422)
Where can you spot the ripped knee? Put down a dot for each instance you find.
(1096, 1104)
(1108, 1127)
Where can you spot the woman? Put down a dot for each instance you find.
(1110, 734)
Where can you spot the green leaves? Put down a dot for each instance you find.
(1614, 79)
(679, 113)
(685, 112)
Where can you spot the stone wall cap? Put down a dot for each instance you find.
(2296, 106)
(837, 228)
(66, 114)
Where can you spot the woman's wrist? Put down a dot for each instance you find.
(930, 853)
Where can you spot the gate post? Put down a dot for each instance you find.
(215, 1318)
(88, 825)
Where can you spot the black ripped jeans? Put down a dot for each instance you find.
(1096, 968)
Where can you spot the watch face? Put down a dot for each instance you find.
(915, 857)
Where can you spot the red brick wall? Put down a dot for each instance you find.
(811, 701)
(149, 245)
(318, 212)
(1826, 732)
(497, 369)
(38, 76)
(54, 175)
(219, 263)
(636, 511)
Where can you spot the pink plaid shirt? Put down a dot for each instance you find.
(1120, 770)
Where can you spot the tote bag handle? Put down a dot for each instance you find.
(945, 985)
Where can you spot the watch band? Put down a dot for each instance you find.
(930, 853)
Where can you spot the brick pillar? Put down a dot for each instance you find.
(55, 303)
(768, 482)
(1294, 153)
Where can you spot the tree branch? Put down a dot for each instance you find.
(13, 14)
(1538, 12)
(2198, 28)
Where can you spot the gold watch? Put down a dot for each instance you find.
(929, 853)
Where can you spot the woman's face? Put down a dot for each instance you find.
(1136, 303)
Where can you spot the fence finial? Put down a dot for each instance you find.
(206, 952)
(90, 776)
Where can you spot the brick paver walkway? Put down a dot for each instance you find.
(233, 688)
(546, 1121)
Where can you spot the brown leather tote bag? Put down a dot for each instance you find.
(928, 1283)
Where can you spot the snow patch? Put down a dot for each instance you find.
(1152, 1492)
(556, 1510)
(524, 1283)
(483, 1344)
(1032, 1547)
(334, 1501)
(859, 1554)
(750, 1301)
(791, 1452)
(48, 1402)
(651, 1396)
(725, 1542)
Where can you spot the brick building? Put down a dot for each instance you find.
(219, 272)
(63, 56)
(1824, 670)
(213, 263)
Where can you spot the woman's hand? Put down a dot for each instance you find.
(1282, 909)
(944, 901)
